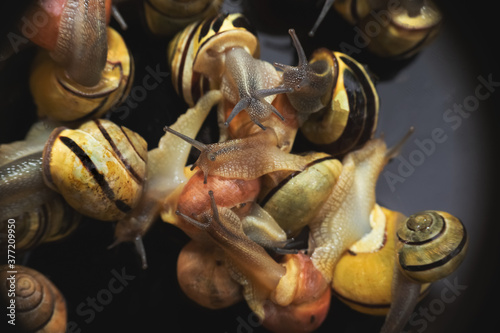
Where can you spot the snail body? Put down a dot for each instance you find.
(64, 99)
(40, 307)
(167, 17)
(99, 168)
(335, 98)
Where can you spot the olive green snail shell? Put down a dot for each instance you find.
(433, 245)
(98, 168)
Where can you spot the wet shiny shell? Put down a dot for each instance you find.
(350, 119)
(40, 307)
(49, 222)
(363, 280)
(167, 17)
(60, 98)
(298, 196)
(403, 35)
(99, 169)
(352, 10)
(196, 54)
(433, 245)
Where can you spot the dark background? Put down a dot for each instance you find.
(459, 177)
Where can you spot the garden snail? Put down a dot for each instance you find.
(345, 216)
(245, 158)
(219, 53)
(396, 29)
(39, 305)
(98, 168)
(274, 291)
(335, 98)
(167, 17)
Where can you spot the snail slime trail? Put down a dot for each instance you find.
(11, 273)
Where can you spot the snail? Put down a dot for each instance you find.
(431, 246)
(392, 29)
(167, 17)
(293, 290)
(60, 97)
(345, 216)
(245, 158)
(220, 53)
(98, 168)
(37, 303)
(165, 177)
(335, 98)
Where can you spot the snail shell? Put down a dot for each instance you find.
(99, 168)
(167, 17)
(49, 222)
(196, 54)
(405, 30)
(433, 245)
(61, 98)
(363, 276)
(295, 200)
(40, 307)
(350, 117)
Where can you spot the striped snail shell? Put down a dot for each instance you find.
(194, 53)
(49, 222)
(405, 30)
(350, 118)
(167, 17)
(433, 245)
(98, 168)
(295, 200)
(61, 98)
(39, 305)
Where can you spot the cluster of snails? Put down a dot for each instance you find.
(248, 198)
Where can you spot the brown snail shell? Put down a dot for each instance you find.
(39, 305)
(204, 277)
(433, 245)
(99, 169)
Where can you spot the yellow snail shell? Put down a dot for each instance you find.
(433, 245)
(39, 306)
(60, 98)
(363, 276)
(99, 168)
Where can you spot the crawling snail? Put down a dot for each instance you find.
(403, 27)
(294, 290)
(167, 17)
(335, 99)
(84, 67)
(38, 304)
